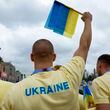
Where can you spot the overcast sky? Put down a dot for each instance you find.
(22, 23)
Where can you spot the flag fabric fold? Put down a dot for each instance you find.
(62, 19)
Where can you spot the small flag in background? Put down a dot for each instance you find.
(87, 96)
(62, 19)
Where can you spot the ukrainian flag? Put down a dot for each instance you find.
(62, 19)
(87, 96)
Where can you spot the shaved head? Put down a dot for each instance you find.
(42, 48)
(42, 51)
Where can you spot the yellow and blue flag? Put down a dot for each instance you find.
(87, 96)
(62, 19)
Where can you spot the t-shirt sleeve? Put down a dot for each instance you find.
(100, 92)
(74, 69)
(6, 103)
(4, 88)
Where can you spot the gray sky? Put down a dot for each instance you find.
(22, 23)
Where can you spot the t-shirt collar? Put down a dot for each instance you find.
(42, 70)
(107, 72)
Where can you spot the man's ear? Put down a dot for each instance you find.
(54, 57)
(32, 57)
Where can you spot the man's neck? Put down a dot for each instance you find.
(42, 65)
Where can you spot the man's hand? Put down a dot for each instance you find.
(86, 17)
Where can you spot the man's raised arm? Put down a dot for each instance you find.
(86, 37)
